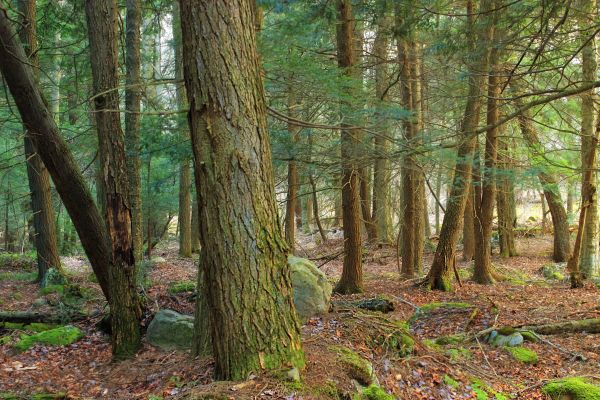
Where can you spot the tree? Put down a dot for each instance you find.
(39, 180)
(124, 301)
(253, 322)
(352, 279)
(133, 95)
(292, 178)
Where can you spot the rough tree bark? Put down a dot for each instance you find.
(351, 280)
(439, 276)
(468, 227)
(252, 321)
(44, 222)
(133, 95)
(125, 304)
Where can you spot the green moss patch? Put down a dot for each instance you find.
(451, 339)
(375, 392)
(448, 380)
(60, 336)
(18, 276)
(523, 354)
(182, 287)
(529, 336)
(357, 367)
(574, 388)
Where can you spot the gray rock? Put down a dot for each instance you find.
(53, 277)
(170, 330)
(312, 291)
(513, 340)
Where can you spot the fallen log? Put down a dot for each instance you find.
(380, 304)
(591, 325)
(27, 317)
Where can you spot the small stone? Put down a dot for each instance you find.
(293, 375)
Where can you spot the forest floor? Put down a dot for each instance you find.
(469, 370)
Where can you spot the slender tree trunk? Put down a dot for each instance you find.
(570, 199)
(313, 185)
(37, 174)
(184, 217)
(486, 194)
(352, 276)
(292, 184)
(505, 202)
(438, 192)
(252, 317)
(382, 176)
(440, 273)
(590, 258)
(133, 95)
(124, 302)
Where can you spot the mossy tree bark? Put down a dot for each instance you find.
(351, 280)
(44, 222)
(439, 276)
(124, 302)
(133, 95)
(252, 319)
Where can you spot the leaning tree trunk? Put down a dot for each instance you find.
(54, 152)
(440, 273)
(44, 222)
(352, 274)
(562, 246)
(133, 95)
(253, 321)
(184, 217)
(125, 304)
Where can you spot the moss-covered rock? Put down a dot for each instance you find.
(312, 290)
(530, 336)
(574, 388)
(357, 367)
(182, 287)
(60, 336)
(170, 330)
(523, 354)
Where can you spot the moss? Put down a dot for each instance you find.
(529, 336)
(432, 345)
(459, 353)
(375, 392)
(523, 354)
(8, 396)
(11, 325)
(507, 331)
(358, 368)
(56, 337)
(574, 388)
(182, 287)
(4, 340)
(451, 339)
(451, 382)
(60, 289)
(49, 396)
(18, 276)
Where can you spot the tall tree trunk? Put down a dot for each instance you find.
(486, 192)
(293, 183)
(590, 258)
(351, 280)
(247, 282)
(440, 273)
(39, 179)
(184, 216)
(125, 305)
(549, 182)
(382, 173)
(133, 95)
(438, 192)
(195, 227)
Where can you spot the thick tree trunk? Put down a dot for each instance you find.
(505, 202)
(39, 179)
(253, 321)
(124, 302)
(351, 280)
(195, 227)
(468, 227)
(440, 274)
(133, 95)
(54, 152)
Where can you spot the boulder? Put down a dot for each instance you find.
(499, 340)
(312, 291)
(170, 330)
